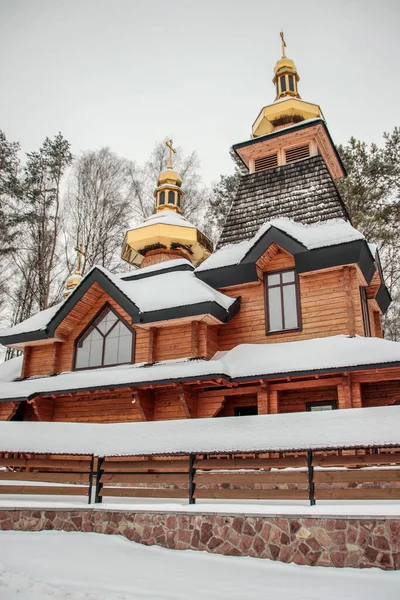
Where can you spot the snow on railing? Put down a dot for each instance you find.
(368, 474)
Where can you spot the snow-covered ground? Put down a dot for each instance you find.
(87, 566)
(323, 508)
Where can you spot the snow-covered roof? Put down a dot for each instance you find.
(175, 264)
(244, 362)
(11, 369)
(165, 217)
(168, 290)
(37, 322)
(163, 291)
(311, 236)
(357, 427)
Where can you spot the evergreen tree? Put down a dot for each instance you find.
(371, 194)
(221, 197)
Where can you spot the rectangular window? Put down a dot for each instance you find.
(282, 305)
(291, 83)
(283, 83)
(365, 312)
(324, 405)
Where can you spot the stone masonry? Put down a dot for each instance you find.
(322, 541)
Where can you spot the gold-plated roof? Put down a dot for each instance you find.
(284, 63)
(169, 176)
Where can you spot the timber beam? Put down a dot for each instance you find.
(188, 400)
(144, 404)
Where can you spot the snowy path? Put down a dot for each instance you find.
(87, 566)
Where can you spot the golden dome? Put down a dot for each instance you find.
(284, 63)
(169, 176)
(71, 283)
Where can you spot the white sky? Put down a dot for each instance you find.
(126, 73)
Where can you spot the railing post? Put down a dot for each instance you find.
(97, 498)
(91, 479)
(310, 477)
(192, 485)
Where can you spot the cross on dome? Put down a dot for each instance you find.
(171, 150)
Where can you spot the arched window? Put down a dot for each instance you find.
(283, 83)
(171, 197)
(108, 341)
(162, 198)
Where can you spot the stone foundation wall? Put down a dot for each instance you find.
(323, 541)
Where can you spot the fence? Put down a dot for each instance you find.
(369, 474)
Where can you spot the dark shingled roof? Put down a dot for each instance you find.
(303, 191)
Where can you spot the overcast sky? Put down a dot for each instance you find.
(126, 73)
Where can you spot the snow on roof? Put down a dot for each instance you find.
(168, 264)
(315, 235)
(168, 290)
(356, 427)
(35, 323)
(163, 291)
(11, 369)
(246, 361)
(165, 217)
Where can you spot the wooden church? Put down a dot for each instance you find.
(284, 315)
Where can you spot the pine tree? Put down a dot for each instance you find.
(371, 194)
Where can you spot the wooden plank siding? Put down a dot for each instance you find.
(7, 410)
(380, 394)
(330, 305)
(319, 317)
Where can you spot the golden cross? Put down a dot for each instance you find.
(80, 252)
(283, 44)
(171, 150)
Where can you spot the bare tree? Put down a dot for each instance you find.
(143, 182)
(98, 206)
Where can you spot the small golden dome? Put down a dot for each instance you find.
(284, 63)
(73, 281)
(169, 176)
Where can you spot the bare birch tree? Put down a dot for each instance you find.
(98, 207)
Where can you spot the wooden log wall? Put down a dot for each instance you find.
(296, 400)
(154, 344)
(380, 393)
(7, 410)
(341, 314)
(233, 402)
(180, 402)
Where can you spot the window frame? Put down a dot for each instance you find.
(86, 331)
(331, 403)
(365, 312)
(266, 303)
